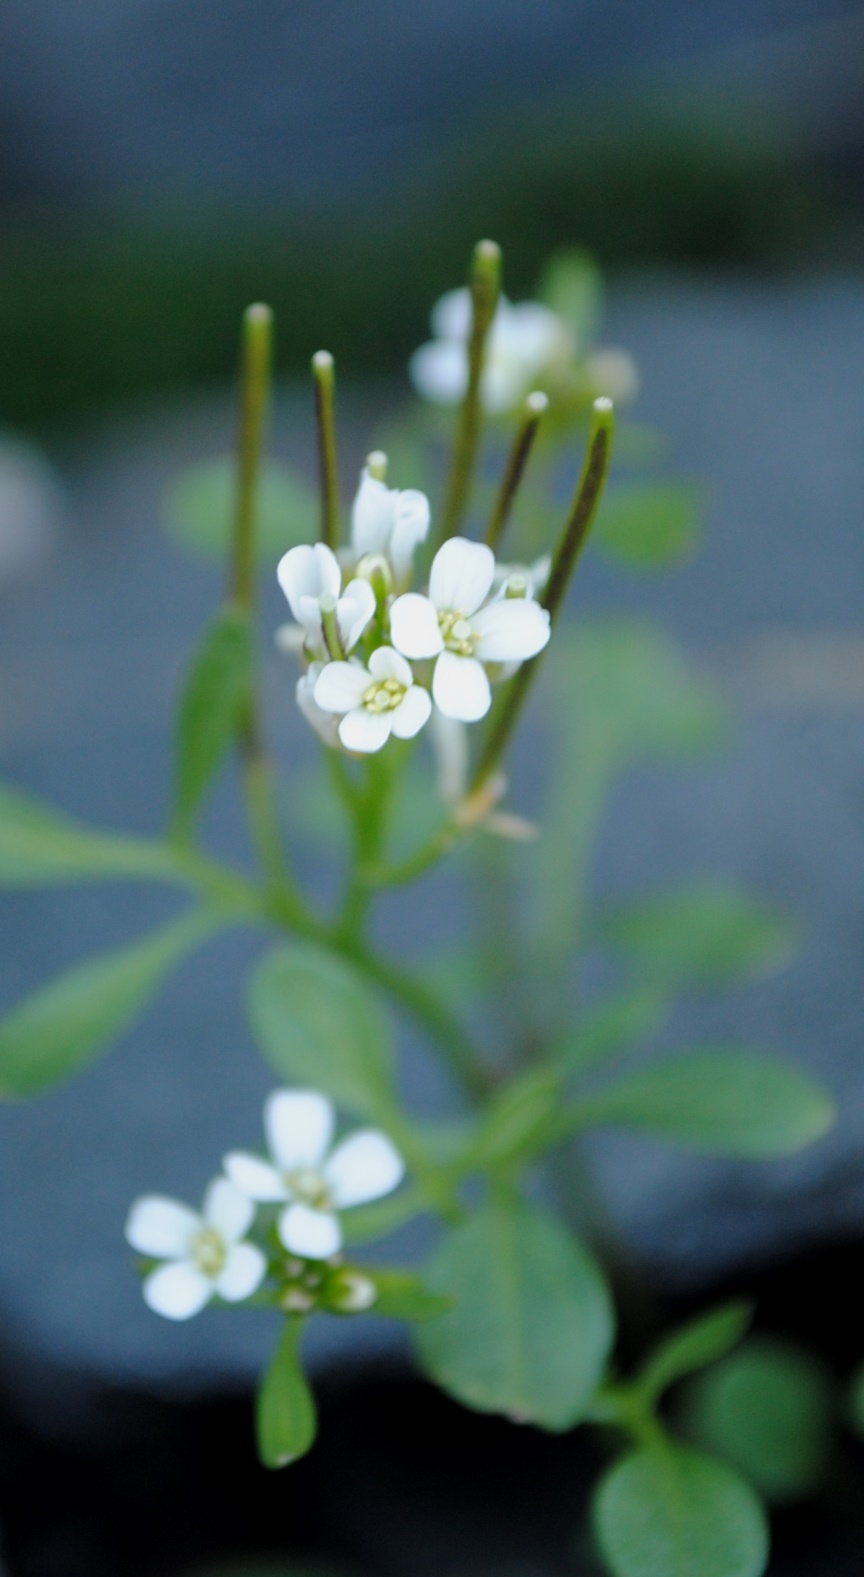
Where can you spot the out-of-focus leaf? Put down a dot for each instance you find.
(672, 1512)
(767, 1411)
(725, 1102)
(700, 1342)
(650, 525)
(286, 1408)
(624, 1021)
(700, 935)
(402, 1295)
(40, 847)
(572, 285)
(61, 1027)
(200, 509)
(319, 1024)
(516, 1119)
(532, 1321)
(211, 708)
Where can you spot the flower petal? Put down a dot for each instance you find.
(228, 1210)
(414, 628)
(410, 527)
(386, 663)
(299, 1127)
(353, 612)
(340, 686)
(439, 371)
(325, 724)
(461, 576)
(243, 1271)
(510, 630)
(160, 1226)
(460, 687)
(451, 314)
(364, 1167)
(255, 1178)
(365, 731)
(371, 515)
(177, 1291)
(408, 718)
(308, 571)
(313, 1234)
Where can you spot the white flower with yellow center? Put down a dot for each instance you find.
(312, 581)
(203, 1251)
(524, 342)
(375, 702)
(386, 521)
(452, 625)
(315, 1180)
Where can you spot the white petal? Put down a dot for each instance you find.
(439, 371)
(460, 687)
(410, 527)
(255, 1178)
(228, 1210)
(461, 575)
(353, 612)
(537, 334)
(365, 731)
(313, 1234)
(242, 1273)
(299, 1127)
(364, 1167)
(504, 384)
(385, 663)
(451, 314)
(177, 1291)
(510, 630)
(307, 571)
(413, 711)
(162, 1227)
(341, 686)
(414, 628)
(324, 723)
(371, 515)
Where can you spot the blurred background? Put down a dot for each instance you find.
(163, 163)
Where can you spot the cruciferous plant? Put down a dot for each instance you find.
(422, 641)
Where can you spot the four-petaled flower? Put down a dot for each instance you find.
(452, 625)
(384, 520)
(315, 1180)
(523, 343)
(312, 581)
(204, 1252)
(375, 702)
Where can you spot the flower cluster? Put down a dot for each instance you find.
(472, 625)
(207, 1253)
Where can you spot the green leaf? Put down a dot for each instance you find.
(702, 1341)
(532, 1322)
(40, 847)
(624, 1021)
(402, 1295)
(285, 1413)
(201, 502)
(767, 1411)
(212, 706)
(674, 1513)
(515, 1119)
(650, 525)
(64, 1025)
(317, 1023)
(699, 935)
(572, 285)
(723, 1102)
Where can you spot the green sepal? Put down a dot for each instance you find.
(700, 935)
(285, 1412)
(214, 702)
(40, 847)
(667, 1511)
(201, 504)
(702, 1341)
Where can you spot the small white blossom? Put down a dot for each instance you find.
(375, 702)
(384, 520)
(524, 341)
(314, 1179)
(312, 581)
(452, 625)
(204, 1252)
(325, 724)
(522, 579)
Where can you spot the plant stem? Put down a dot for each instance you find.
(532, 411)
(254, 400)
(484, 285)
(323, 374)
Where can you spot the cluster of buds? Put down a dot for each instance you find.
(208, 1253)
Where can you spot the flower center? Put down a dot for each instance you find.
(309, 1188)
(384, 695)
(457, 633)
(208, 1251)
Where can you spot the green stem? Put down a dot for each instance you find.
(254, 400)
(532, 411)
(484, 284)
(323, 374)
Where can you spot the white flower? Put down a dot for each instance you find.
(384, 520)
(312, 581)
(451, 624)
(325, 724)
(522, 579)
(523, 343)
(375, 702)
(315, 1180)
(204, 1252)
